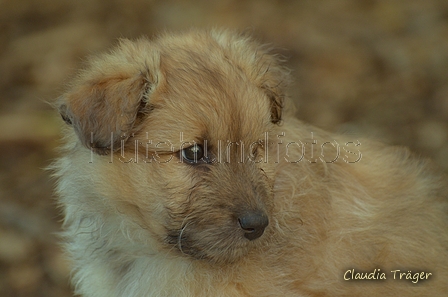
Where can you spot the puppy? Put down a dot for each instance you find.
(185, 173)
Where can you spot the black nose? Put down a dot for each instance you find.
(253, 223)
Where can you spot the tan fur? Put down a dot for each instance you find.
(140, 221)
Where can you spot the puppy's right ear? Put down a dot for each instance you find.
(109, 98)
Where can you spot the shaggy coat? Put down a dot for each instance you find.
(185, 173)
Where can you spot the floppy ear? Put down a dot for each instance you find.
(106, 103)
(263, 68)
(274, 87)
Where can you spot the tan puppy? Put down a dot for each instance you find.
(185, 174)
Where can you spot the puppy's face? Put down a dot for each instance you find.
(190, 113)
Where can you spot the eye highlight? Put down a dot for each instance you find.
(193, 153)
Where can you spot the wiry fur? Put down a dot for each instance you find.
(169, 228)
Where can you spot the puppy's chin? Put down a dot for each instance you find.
(215, 244)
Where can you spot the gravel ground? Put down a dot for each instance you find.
(367, 67)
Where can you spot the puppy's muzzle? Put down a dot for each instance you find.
(253, 223)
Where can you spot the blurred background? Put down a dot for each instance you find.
(371, 67)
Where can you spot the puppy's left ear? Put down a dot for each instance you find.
(274, 90)
(273, 78)
(108, 100)
(264, 69)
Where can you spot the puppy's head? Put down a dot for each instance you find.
(191, 113)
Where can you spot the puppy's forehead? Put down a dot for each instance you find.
(209, 95)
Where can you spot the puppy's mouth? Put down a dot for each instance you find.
(220, 244)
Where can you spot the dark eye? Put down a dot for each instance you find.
(193, 153)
